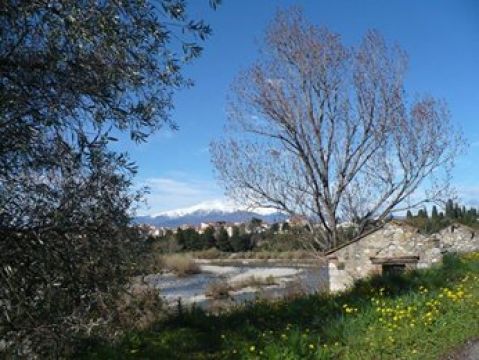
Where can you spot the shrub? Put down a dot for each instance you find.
(212, 253)
(254, 281)
(218, 290)
(151, 263)
(166, 245)
(181, 265)
(139, 307)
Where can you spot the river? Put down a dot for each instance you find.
(289, 279)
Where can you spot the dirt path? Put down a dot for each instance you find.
(468, 351)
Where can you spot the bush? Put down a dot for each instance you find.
(181, 265)
(218, 290)
(166, 245)
(254, 281)
(294, 239)
(152, 263)
(139, 307)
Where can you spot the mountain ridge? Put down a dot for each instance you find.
(200, 214)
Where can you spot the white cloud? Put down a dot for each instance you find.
(179, 192)
(203, 151)
(169, 193)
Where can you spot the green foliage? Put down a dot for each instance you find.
(450, 209)
(71, 74)
(180, 237)
(235, 240)
(254, 224)
(190, 239)
(66, 260)
(294, 239)
(243, 238)
(438, 221)
(166, 244)
(208, 237)
(284, 241)
(291, 238)
(222, 240)
(371, 321)
(275, 227)
(422, 213)
(240, 241)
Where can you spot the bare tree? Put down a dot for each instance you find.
(326, 131)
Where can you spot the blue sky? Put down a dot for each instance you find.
(440, 36)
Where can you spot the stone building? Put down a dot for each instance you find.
(395, 247)
(459, 238)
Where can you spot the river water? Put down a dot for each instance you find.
(289, 279)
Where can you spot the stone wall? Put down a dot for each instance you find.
(459, 238)
(397, 244)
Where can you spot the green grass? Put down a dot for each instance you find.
(421, 315)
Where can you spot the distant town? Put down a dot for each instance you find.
(259, 226)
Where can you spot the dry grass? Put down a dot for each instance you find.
(221, 289)
(154, 264)
(218, 290)
(254, 281)
(139, 307)
(214, 253)
(181, 265)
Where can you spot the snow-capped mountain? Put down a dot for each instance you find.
(210, 211)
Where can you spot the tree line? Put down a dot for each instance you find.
(239, 240)
(438, 220)
(243, 237)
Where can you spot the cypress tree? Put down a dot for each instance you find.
(457, 211)
(223, 240)
(275, 227)
(180, 237)
(449, 209)
(208, 237)
(474, 213)
(238, 241)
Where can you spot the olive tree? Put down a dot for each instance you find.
(327, 131)
(72, 74)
